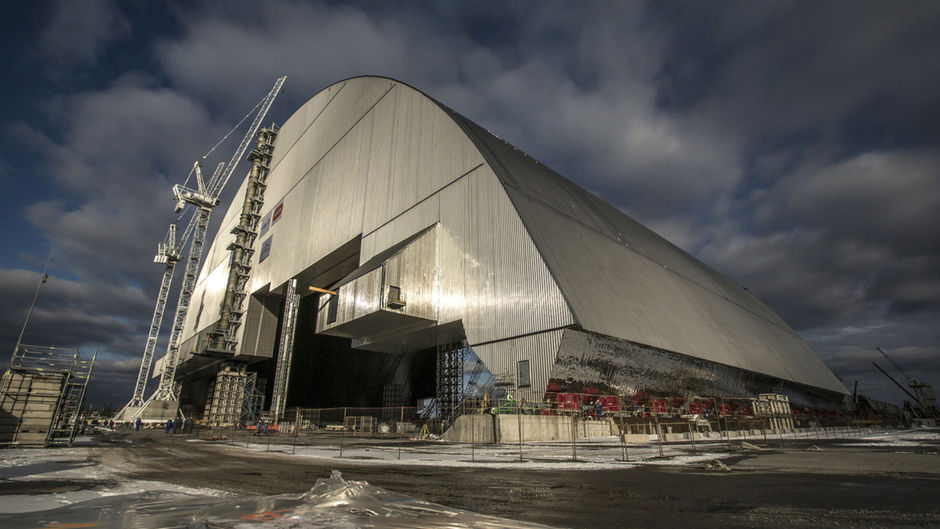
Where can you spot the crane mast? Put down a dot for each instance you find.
(167, 254)
(204, 197)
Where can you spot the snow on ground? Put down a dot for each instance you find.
(588, 454)
(593, 454)
(903, 438)
(85, 479)
(76, 468)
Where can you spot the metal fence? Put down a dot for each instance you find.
(577, 426)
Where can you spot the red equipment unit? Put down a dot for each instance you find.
(609, 403)
(658, 406)
(567, 401)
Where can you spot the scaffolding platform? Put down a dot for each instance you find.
(41, 396)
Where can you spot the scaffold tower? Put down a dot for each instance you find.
(285, 351)
(450, 360)
(246, 232)
(41, 395)
(235, 397)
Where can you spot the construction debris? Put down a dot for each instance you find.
(717, 465)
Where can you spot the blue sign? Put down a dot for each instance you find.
(265, 249)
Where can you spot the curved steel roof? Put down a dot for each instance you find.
(623, 280)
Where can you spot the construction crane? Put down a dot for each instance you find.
(923, 392)
(167, 254)
(204, 198)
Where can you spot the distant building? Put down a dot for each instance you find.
(434, 231)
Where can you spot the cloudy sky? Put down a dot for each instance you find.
(792, 146)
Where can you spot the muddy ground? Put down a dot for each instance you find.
(844, 484)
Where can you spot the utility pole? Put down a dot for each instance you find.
(42, 281)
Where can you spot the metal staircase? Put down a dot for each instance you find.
(42, 394)
(65, 422)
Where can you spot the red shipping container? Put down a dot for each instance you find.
(724, 409)
(696, 408)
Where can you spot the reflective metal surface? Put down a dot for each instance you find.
(520, 251)
(619, 367)
(623, 280)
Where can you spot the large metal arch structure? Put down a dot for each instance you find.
(374, 184)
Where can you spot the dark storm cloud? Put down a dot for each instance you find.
(69, 312)
(793, 146)
(866, 197)
(121, 150)
(79, 32)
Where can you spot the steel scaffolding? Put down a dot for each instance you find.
(235, 397)
(450, 359)
(285, 351)
(225, 336)
(42, 394)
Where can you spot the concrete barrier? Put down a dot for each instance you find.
(472, 428)
(504, 428)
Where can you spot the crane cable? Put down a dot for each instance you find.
(192, 170)
(229, 133)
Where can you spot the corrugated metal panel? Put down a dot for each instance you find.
(492, 276)
(328, 201)
(206, 301)
(409, 153)
(413, 220)
(360, 297)
(414, 271)
(417, 150)
(530, 178)
(302, 119)
(293, 158)
(623, 280)
(617, 292)
(539, 349)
